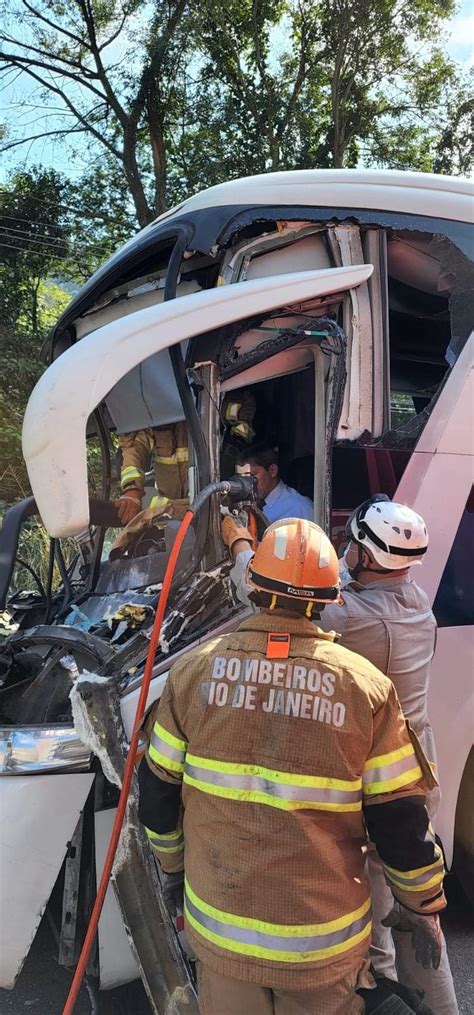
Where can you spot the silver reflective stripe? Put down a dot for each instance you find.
(277, 942)
(173, 753)
(279, 790)
(398, 878)
(387, 772)
(165, 841)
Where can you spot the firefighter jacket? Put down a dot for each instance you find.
(391, 623)
(168, 447)
(277, 742)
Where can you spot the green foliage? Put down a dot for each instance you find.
(105, 222)
(53, 235)
(33, 243)
(454, 143)
(178, 95)
(34, 548)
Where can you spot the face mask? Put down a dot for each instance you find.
(355, 570)
(344, 573)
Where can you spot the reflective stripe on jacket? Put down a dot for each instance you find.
(276, 759)
(168, 446)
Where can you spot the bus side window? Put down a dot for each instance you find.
(454, 603)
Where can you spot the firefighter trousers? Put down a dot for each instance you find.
(171, 460)
(219, 995)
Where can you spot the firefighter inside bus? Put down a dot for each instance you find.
(165, 448)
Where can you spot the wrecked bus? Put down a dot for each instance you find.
(343, 300)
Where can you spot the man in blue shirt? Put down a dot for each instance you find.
(276, 499)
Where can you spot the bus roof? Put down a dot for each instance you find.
(374, 196)
(447, 197)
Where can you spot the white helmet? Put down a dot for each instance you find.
(394, 535)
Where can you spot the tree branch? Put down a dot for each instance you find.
(108, 42)
(153, 68)
(115, 104)
(24, 62)
(48, 56)
(77, 113)
(35, 137)
(300, 75)
(52, 24)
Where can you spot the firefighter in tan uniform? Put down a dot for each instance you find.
(167, 446)
(386, 617)
(272, 753)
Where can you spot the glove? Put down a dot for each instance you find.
(172, 890)
(129, 505)
(231, 531)
(425, 933)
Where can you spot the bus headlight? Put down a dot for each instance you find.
(37, 750)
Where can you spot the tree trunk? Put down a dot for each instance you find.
(145, 214)
(158, 149)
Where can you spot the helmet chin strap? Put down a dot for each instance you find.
(360, 566)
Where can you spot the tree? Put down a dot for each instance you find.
(101, 217)
(260, 74)
(170, 96)
(113, 67)
(53, 234)
(454, 145)
(302, 84)
(33, 243)
(377, 57)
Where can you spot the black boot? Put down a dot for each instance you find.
(392, 998)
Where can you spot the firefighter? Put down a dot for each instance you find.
(237, 417)
(271, 751)
(237, 414)
(387, 618)
(167, 446)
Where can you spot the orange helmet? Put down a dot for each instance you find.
(296, 560)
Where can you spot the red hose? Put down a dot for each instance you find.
(128, 771)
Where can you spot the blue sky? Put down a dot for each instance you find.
(459, 44)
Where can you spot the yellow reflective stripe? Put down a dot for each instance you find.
(432, 883)
(182, 454)
(282, 929)
(317, 782)
(161, 759)
(280, 956)
(417, 871)
(232, 411)
(168, 842)
(387, 785)
(257, 797)
(169, 738)
(165, 835)
(387, 772)
(169, 460)
(131, 470)
(167, 849)
(167, 750)
(243, 430)
(130, 475)
(388, 759)
(159, 501)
